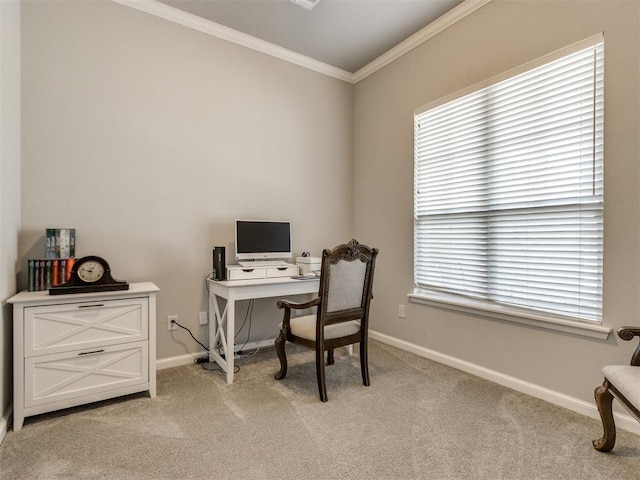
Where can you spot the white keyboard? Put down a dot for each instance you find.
(263, 263)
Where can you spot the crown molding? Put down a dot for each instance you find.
(450, 18)
(200, 24)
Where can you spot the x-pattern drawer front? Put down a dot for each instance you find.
(61, 376)
(59, 328)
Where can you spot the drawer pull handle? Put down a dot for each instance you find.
(92, 351)
(91, 306)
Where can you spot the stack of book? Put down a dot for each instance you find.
(55, 267)
(60, 243)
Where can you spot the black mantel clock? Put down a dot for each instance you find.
(89, 274)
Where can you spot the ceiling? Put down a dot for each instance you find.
(345, 34)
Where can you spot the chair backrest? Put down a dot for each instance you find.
(346, 282)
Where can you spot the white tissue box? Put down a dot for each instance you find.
(309, 264)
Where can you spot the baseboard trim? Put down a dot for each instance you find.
(5, 422)
(191, 357)
(623, 421)
(179, 360)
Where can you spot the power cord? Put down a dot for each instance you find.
(259, 347)
(204, 364)
(208, 277)
(248, 316)
(197, 341)
(216, 367)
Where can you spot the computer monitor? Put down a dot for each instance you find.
(259, 239)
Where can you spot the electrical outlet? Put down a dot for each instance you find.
(170, 324)
(400, 311)
(202, 318)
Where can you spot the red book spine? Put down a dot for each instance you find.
(70, 262)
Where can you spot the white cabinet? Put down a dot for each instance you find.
(80, 348)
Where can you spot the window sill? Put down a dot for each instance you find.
(509, 314)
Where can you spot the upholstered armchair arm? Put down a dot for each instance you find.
(298, 306)
(288, 306)
(627, 333)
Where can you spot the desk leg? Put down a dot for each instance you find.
(231, 333)
(214, 321)
(218, 333)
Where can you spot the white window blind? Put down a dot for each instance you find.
(508, 190)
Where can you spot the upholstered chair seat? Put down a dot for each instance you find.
(626, 379)
(305, 327)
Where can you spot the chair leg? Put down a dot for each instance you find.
(364, 362)
(330, 359)
(322, 384)
(604, 399)
(280, 341)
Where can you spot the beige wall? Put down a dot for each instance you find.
(9, 187)
(150, 139)
(496, 38)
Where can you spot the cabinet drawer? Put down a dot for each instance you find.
(70, 326)
(64, 376)
(245, 273)
(274, 272)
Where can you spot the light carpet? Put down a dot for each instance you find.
(418, 420)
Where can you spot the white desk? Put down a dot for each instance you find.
(234, 290)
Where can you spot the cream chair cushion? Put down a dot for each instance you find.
(626, 379)
(305, 327)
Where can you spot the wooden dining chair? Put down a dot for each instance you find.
(342, 315)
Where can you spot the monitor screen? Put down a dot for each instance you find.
(262, 239)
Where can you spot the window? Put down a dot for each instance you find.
(508, 199)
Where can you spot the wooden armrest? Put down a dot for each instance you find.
(298, 306)
(627, 333)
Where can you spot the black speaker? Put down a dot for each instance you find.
(219, 267)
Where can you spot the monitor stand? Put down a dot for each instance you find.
(263, 263)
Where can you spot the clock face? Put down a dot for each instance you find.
(90, 271)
